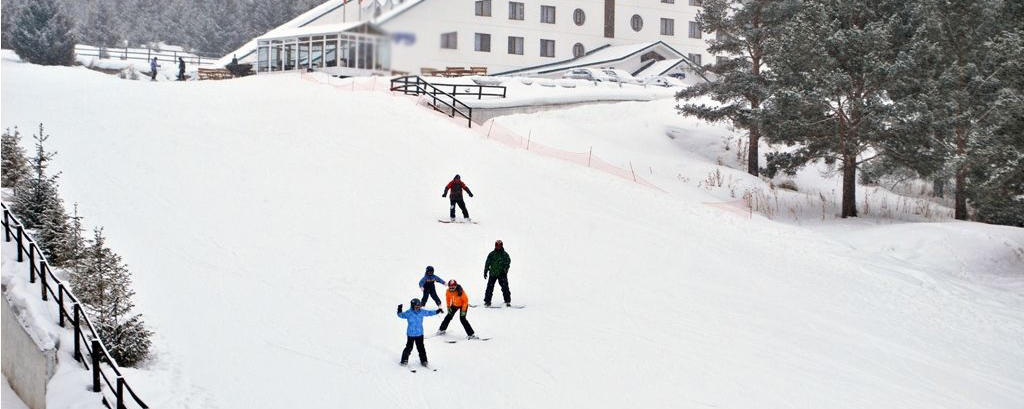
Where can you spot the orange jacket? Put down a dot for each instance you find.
(455, 300)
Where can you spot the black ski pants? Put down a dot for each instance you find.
(448, 318)
(503, 280)
(462, 205)
(428, 291)
(419, 348)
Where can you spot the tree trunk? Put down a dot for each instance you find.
(849, 186)
(960, 209)
(752, 152)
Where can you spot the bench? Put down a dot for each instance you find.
(214, 74)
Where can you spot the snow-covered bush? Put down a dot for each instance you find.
(15, 164)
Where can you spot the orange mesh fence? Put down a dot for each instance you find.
(488, 129)
(736, 207)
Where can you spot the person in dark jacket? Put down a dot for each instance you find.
(414, 332)
(181, 69)
(496, 267)
(456, 186)
(152, 69)
(427, 285)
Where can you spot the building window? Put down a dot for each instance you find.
(578, 50)
(482, 42)
(636, 22)
(721, 60)
(483, 8)
(694, 58)
(515, 45)
(547, 14)
(579, 17)
(668, 27)
(697, 3)
(450, 40)
(547, 48)
(672, 1)
(694, 29)
(516, 11)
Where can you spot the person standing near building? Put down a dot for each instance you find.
(414, 332)
(152, 69)
(496, 267)
(427, 286)
(181, 69)
(457, 301)
(456, 186)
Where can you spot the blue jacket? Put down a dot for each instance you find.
(432, 279)
(415, 321)
(152, 65)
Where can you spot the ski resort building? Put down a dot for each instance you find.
(501, 35)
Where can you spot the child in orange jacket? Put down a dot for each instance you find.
(457, 301)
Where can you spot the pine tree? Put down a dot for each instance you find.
(740, 84)
(15, 165)
(103, 283)
(36, 196)
(42, 34)
(830, 69)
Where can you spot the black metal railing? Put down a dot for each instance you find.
(414, 85)
(479, 91)
(146, 54)
(104, 368)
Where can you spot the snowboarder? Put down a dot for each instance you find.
(415, 330)
(456, 186)
(497, 266)
(427, 285)
(152, 69)
(457, 301)
(181, 69)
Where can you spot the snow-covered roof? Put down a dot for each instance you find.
(399, 9)
(600, 55)
(661, 67)
(318, 29)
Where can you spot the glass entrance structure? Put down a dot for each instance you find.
(351, 49)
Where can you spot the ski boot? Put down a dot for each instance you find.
(440, 332)
(472, 337)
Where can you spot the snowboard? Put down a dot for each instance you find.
(457, 221)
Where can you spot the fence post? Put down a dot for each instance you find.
(78, 332)
(21, 246)
(60, 303)
(7, 226)
(480, 92)
(120, 392)
(32, 262)
(489, 129)
(529, 136)
(590, 156)
(42, 278)
(95, 365)
(631, 170)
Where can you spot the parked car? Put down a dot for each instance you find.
(663, 81)
(621, 76)
(678, 75)
(587, 74)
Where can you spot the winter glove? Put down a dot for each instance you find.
(439, 310)
(485, 274)
(444, 195)
(470, 195)
(462, 314)
(399, 308)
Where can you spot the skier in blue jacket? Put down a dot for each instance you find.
(415, 330)
(427, 285)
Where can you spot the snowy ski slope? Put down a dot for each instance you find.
(273, 224)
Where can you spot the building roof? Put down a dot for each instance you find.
(395, 12)
(318, 29)
(303, 19)
(601, 55)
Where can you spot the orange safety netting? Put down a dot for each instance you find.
(489, 129)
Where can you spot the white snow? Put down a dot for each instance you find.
(273, 223)
(9, 399)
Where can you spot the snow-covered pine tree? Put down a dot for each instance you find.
(103, 283)
(740, 83)
(831, 67)
(15, 165)
(36, 195)
(42, 34)
(950, 85)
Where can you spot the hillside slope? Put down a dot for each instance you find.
(273, 224)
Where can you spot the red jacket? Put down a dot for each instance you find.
(456, 186)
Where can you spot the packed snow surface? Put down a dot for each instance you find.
(273, 224)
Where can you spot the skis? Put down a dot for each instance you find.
(413, 370)
(452, 341)
(503, 306)
(458, 221)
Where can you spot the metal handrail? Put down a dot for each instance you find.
(415, 85)
(13, 227)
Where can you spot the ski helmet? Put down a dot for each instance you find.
(413, 303)
(499, 245)
(458, 177)
(430, 269)
(452, 283)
